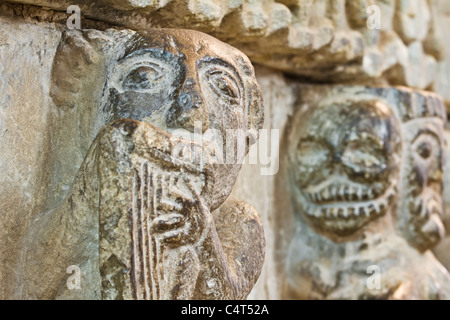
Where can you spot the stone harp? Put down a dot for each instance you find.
(164, 177)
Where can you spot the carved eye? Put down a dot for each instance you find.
(365, 155)
(426, 146)
(312, 153)
(425, 150)
(223, 84)
(142, 78)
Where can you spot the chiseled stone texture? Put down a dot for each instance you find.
(260, 189)
(442, 251)
(321, 40)
(109, 173)
(26, 119)
(364, 168)
(48, 127)
(329, 258)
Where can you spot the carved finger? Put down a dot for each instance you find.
(197, 198)
(206, 219)
(167, 222)
(173, 237)
(169, 206)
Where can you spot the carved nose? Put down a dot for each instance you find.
(189, 109)
(189, 100)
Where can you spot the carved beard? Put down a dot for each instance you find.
(141, 174)
(427, 212)
(423, 188)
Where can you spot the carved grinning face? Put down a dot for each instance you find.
(346, 165)
(425, 179)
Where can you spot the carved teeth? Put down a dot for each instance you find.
(352, 211)
(345, 213)
(326, 194)
(360, 193)
(348, 193)
(323, 195)
(342, 193)
(377, 207)
(334, 192)
(317, 212)
(333, 212)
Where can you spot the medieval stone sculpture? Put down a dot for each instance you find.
(421, 211)
(117, 119)
(329, 41)
(147, 216)
(352, 149)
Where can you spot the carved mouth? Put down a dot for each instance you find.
(346, 201)
(341, 192)
(428, 204)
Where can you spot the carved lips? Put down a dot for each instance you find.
(346, 200)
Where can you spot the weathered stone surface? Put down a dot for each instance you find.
(144, 214)
(364, 170)
(442, 250)
(337, 41)
(260, 189)
(64, 96)
(25, 119)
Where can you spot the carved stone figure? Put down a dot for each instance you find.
(328, 41)
(366, 174)
(422, 204)
(120, 149)
(347, 165)
(146, 216)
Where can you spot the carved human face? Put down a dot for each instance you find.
(346, 165)
(424, 174)
(180, 79)
(185, 80)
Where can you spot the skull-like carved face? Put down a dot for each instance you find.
(346, 165)
(424, 181)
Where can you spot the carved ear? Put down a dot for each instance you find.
(77, 55)
(253, 101)
(255, 111)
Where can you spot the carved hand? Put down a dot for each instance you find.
(186, 224)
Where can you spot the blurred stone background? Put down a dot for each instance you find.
(289, 42)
